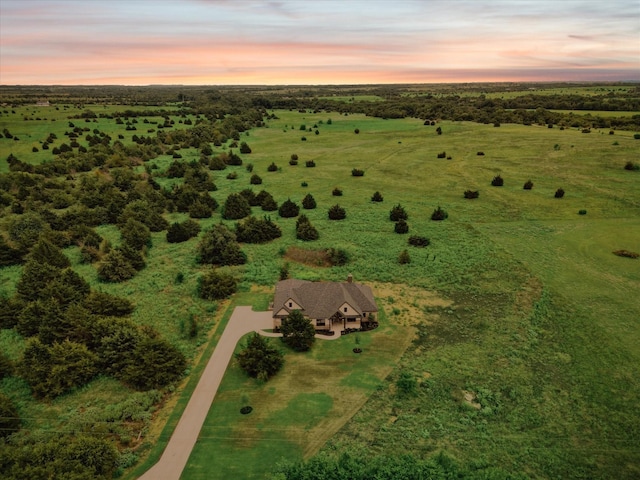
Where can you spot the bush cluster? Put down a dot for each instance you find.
(255, 230)
(305, 230)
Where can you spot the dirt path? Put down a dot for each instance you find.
(174, 458)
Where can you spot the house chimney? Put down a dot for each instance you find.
(349, 278)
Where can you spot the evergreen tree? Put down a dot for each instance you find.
(297, 331)
(288, 209)
(308, 202)
(215, 285)
(219, 246)
(259, 358)
(235, 207)
(398, 213)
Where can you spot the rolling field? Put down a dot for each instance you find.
(518, 324)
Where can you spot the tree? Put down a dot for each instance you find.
(9, 417)
(471, 194)
(259, 358)
(35, 277)
(404, 257)
(288, 209)
(106, 304)
(136, 234)
(439, 214)
(308, 202)
(219, 246)
(255, 179)
(297, 331)
(304, 230)
(398, 213)
(336, 212)
(154, 363)
(215, 285)
(377, 197)
(401, 226)
(267, 202)
(528, 185)
(418, 241)
(46, 252)
(115, 268)
(559, 193)
(177, 233)
(255, 230)
(244, 148)
(235, 207)
(497, 181)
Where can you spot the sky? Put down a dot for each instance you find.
(313, 42)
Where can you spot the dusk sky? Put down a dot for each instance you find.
(141, 42)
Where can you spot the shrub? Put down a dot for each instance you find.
(404, 257)
(471, 194)
(308, 202)
(304, 184)
(480, 154)
(636, 136)
(439, 130)
(439, 214)
(626, 253)
(398, 213)
(442, 155)
(497, 181)
(215, 285)
(304, 230)
(244, 148)
(356, 172)
(356, 131)
(115, 268)
(586, 130)
(219, 246)
(254, 230)
(272, 168)
(582, 212)
(336, 212)
(528, 185)
(235, 207)
(417, 241)
(268, 204)
(336, 192)
(255, 179)
(232, 176)
(631, 166)
(559, 193)
(293, 161)
(294, 156)
(310, 163)
(200, 209)
(249, 167)
(377, 197)
(401, 226)
(337, 256)
(288, 209)
(304, 139)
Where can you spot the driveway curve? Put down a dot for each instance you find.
(174, 458)
(176, 454)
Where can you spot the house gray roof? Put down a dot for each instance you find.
(323, 299)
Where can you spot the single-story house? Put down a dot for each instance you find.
(330, 306)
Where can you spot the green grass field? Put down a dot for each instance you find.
(518, 302)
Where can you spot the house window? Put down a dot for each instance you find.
(351, 320)
(364, 314)
(320, 323)
(290, 304)
(345, 309)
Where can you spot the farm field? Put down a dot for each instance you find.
(517, 325)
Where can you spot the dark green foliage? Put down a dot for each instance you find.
(244, 148)
(133, 256)
(36, 314)
(401, 226)
(58, 456)
(9, 416)
(284, 272)
(336, 212)
(559, 193)
(310, 163)
(68, 287)
(250, 197)
(288, 209)
(297, 332)
(255, 230)
(46, 252)
(337, 256)
(308, 202)
(418, 241)
(136, 234)
(6, 369)
(528, 185)
(105, 304)
(356, 131)
(259, 358)
(398, 213)
(439, 214)
(215, 285)
(336, 192)
(294, 159)
(356, 172)
(268, 204)
(439, 130)
(631, 166)
(56, 369)
(255, 179)
(304, 230)
(404, 257)
(497, 181)
(235, 207)
(10, 309)
(26, 229)
(377, 197)
(182, 231)
(582, 212)
(35, 277)
(115, 268)
(406, 384)
(219, 246)
(471, 194)
(176, 169)
(200, 209)
(199, 179)
(636, 136)
(144, 212)
(272, 167)
(154, 363)
(442, 155)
